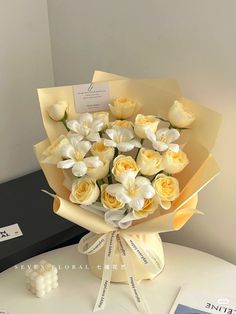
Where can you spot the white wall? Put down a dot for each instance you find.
(25, 65)
(193, 41)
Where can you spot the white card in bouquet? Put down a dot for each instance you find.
(91, 97)
(192, 300)
(10, 232)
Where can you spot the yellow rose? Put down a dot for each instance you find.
(123, 107)
(180, 116)
(174, 162)
(109, 201)
(102, 151)
(122, 165)
(142, 123)
(150, 205)
(84, 191)
(104, 116)
(149, 161)
(99, 172)
(167, 189)
(53, 152)
(57, 111)
(122, 124)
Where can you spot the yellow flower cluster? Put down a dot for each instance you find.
(110, 174)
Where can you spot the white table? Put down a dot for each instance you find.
(78, 289)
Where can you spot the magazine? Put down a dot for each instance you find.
(192, 300)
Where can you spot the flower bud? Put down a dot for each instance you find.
(174, 162)
(57, 111)
(142, 123)
(180, 116)
(123, 108)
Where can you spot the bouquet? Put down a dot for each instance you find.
(126, 173)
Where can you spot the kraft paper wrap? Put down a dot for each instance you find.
(156, 96)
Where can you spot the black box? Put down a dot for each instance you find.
(22, 202)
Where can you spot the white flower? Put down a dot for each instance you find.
(142, 123)
(122, 138)
(87, 127)
(123, 107)
(180, 115)
(163, 139)
(57, 111)
(132, 191)
(74, 155)
(104, 116)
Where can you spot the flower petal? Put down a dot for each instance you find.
(141, 181)
(74, 138)
(93, 136)
(136, 143)
(83, 147)
(174, 147)
(68, 151)
(150, 135)
(79, 169)
(125, 146)
(136, 203)
(124, 134)
(148, 191)
(163, 132)
(123, 197)
(97, 124)
(172, 135)
(66, 164)
(119, 192)
(74, 126)
(109, 143)
(93, 162)
(160, 146)
(165, 204)
(128, 179)
(111, 133)
(86, 118)
(114, 188)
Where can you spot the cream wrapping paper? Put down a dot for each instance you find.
(156, 96)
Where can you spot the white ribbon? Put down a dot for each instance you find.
(125, 242)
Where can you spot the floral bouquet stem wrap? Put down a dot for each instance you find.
(126, 173)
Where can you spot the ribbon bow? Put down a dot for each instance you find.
(145, 255)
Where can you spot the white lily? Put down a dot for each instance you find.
(132, 191)
(74, 155)
(87, 126)
(163, 139)
(122, 138)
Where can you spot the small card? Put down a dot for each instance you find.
(192, 300)
(10, 232)
(91, 97)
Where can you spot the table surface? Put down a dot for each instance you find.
(78, 288)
